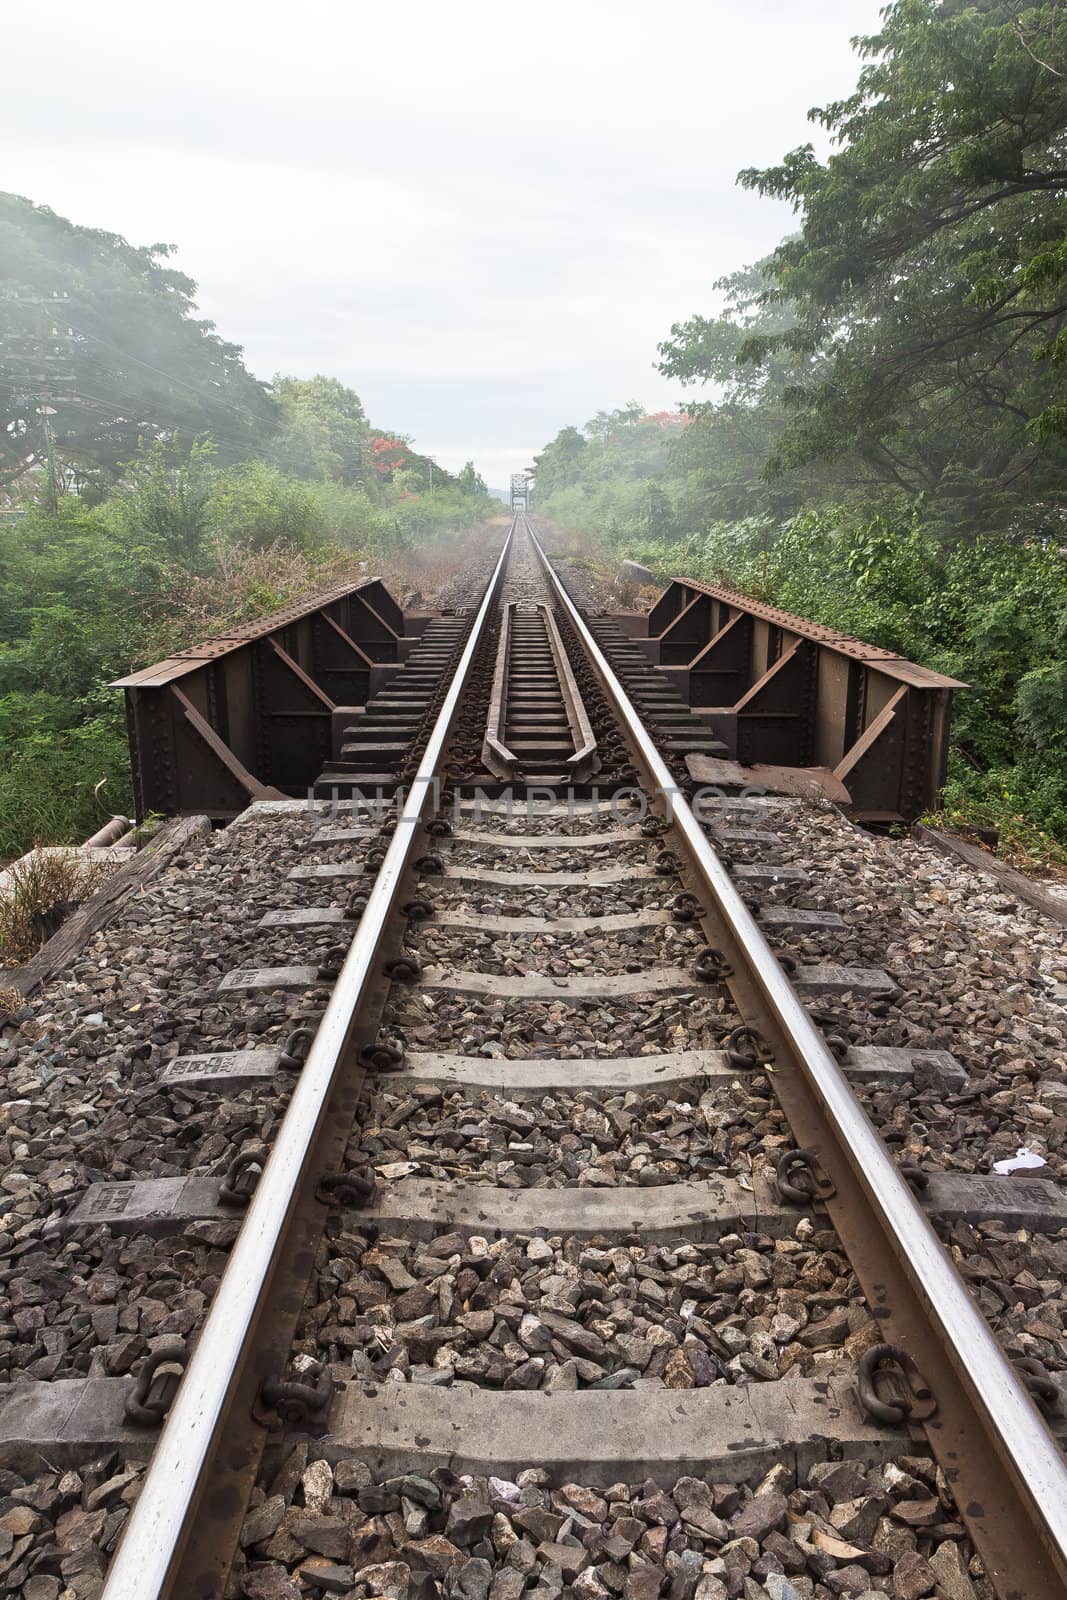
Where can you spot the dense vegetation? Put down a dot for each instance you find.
(882, 439)
(150, 500)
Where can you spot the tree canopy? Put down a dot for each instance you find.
(918, 316)
(470, 481)
(187, 497)
(101, 341)
(324, 432)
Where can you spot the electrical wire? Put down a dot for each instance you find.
(229, 405)
(243, 412)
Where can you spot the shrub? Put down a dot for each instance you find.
(39, 892)
(48, 782)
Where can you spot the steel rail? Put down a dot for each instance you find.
(580, 764)
(151, 1543)
(1009, 1424)
(498, 758)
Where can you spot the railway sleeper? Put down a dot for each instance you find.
(683, 1211)
(519, 1079)
(728, 1434)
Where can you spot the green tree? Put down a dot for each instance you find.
(471, 482)
(107, 336)
(558, 464)
(324, 432)
(657, 510)
(256, 505)
(165, 498)
(719, 462)
(927, 282)
(605, 423)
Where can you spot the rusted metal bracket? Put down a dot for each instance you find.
(218, 747)
(360, 654)
(782, 691)
(686, 632)
(298, 672)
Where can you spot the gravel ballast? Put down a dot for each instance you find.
(843, 1531)
(976, 974)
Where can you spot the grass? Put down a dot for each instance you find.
(1021, 843)
(42, 889)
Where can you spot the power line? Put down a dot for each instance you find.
(121, 408)
(108, 410)
(199, 390)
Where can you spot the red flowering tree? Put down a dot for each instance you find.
(388, 455)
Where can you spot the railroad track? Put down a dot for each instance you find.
(556, 1185)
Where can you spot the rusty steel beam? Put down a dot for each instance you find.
(782, 691)
(222, 752)
(248, 714)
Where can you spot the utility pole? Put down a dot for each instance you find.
(42, 356)
(48, 412)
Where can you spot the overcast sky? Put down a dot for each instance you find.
(483, 217)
